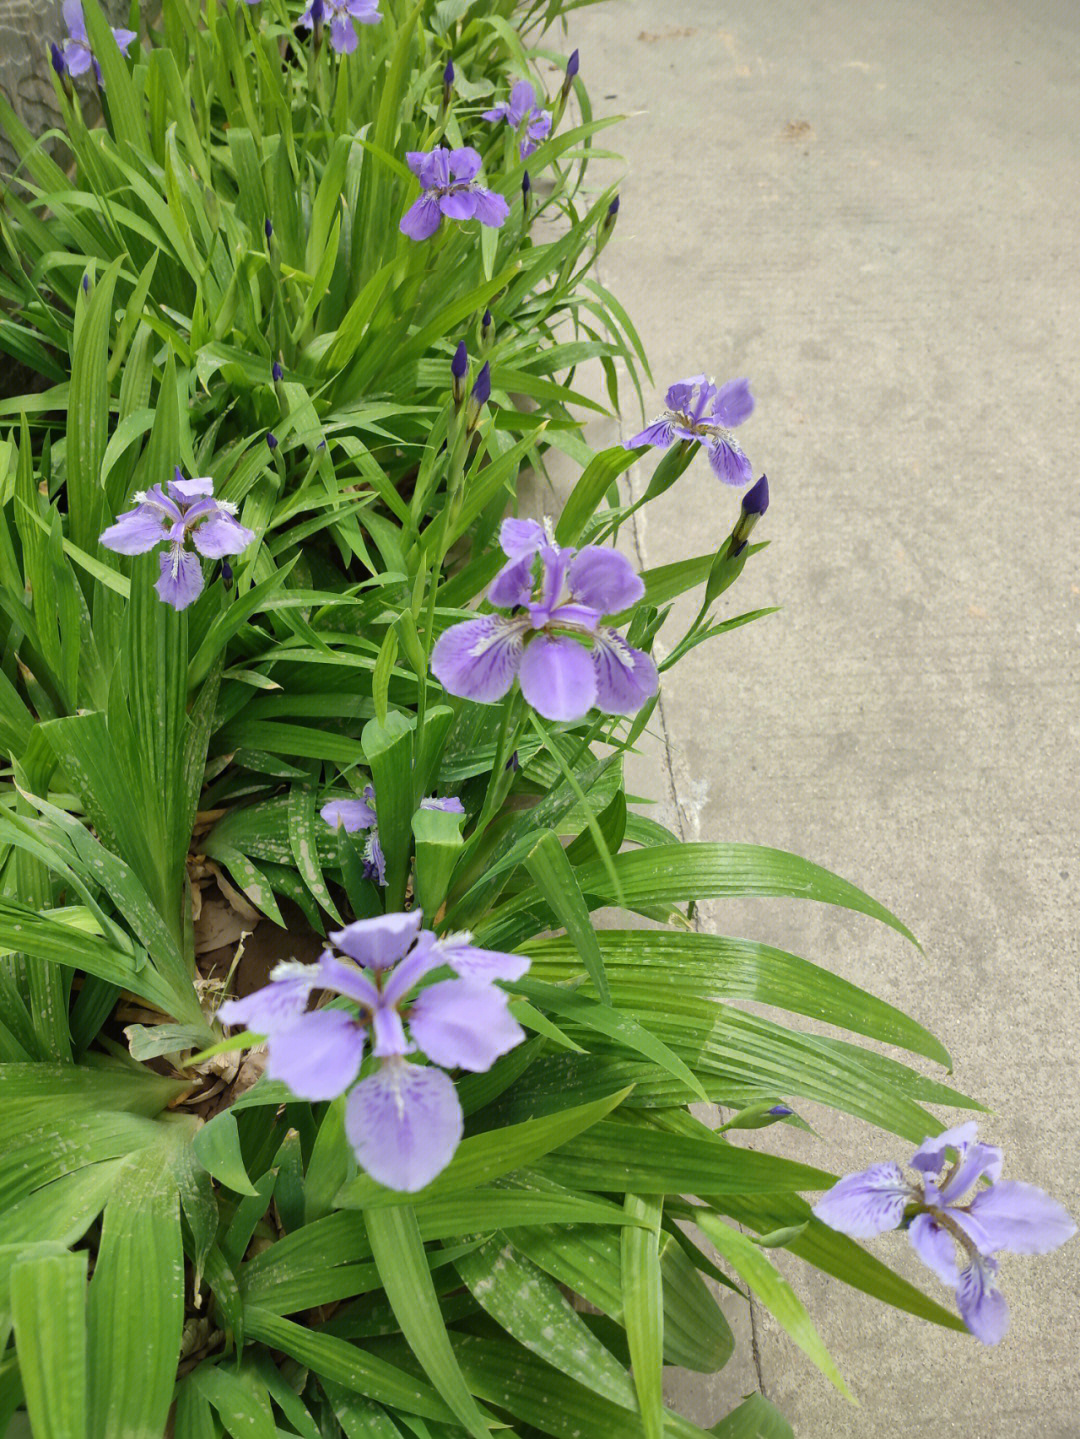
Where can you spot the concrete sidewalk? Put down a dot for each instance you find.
(871, 210)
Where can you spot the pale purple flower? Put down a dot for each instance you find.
(188, 511)
(450, 189)
(76, 54)
(404, 1120)
(344, 16)
(354, 815)
(522, 110)
(708, 417)
(554, 642)
(943, 1229)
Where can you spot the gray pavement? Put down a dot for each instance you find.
(871, 209)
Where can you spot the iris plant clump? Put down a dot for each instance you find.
(404, 1118)
(303, 360)
(955, 1233)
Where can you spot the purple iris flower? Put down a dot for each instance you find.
(187, 511)
(553, 642)
(522, 109)
(359, 814)
(1004, 1215)
(709, 419)
(404, 1119)
(344, 16)
(76, 54)
(450, 189)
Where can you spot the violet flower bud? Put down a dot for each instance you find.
(60, 65)
(572, 67)
(754, 504)
(459, 372)
(756, 499)
(226, 574)
(481, 393)
(780, 1111)
(318, 13)
(86, 284)
(268, 229)
(447, 84)
(271, 440)
(526, 193)
(487, 330)
(276, 371)
(607, 224)
(482, 388)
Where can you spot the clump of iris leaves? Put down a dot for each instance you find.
(184, 1251)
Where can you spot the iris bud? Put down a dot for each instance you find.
(607, 224)
(572, 67)
(459, 371)
(481, 393)
(754, 504)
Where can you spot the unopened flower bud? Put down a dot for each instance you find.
(572, 67)
(526, 192)
(271, 440)
(276, 371)
(607, 224)
(447, 84)
(86, 284)
(459, 372)
(318, 14)
(487, 330)
(226, 574)
(758, 1116)
(59, 64)
(268, 229)
(754, 504)
(481, 393)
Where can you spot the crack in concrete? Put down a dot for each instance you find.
(638, 538)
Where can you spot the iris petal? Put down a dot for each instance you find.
(404, 1122)
(478, 659)
(558, 678)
